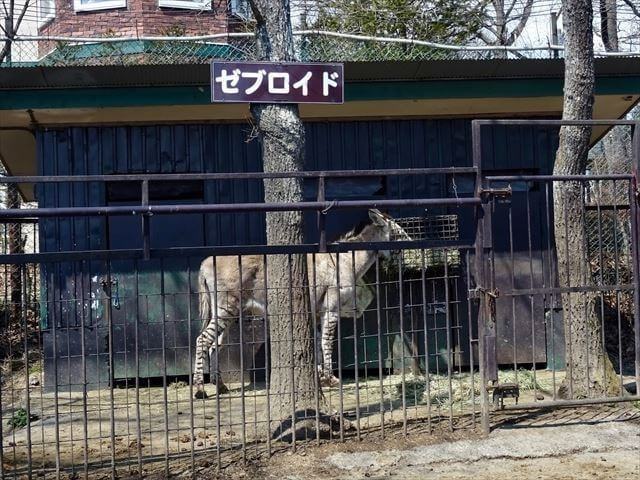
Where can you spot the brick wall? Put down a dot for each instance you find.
(140, 17)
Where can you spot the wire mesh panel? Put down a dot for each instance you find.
(437, 228)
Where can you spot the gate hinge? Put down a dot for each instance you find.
(496, 192)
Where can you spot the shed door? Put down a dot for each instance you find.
(156, 303)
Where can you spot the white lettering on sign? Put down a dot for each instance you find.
(229, 82)
(257, 76)
(277, 82)
(283, 79)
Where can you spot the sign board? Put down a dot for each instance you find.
(265, 82)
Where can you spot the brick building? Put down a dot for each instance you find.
(100, 18)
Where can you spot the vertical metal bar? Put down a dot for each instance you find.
(447, 312)
(355, 342)
(164, 369)
(338, 337)
(423, 270)
(23, 306)
(634, 199)
(216, 374)
(531, 297)
(403, 355)
(11, 371)
(379, 339)
(513, 297)
(480, 277)
(472, 373)
(2, 460)
(292, 357)
(552, 284)
(56, 406)
(136, 340)
(585, 274)
(190, 380)
(318, 361)
(242, 399)
(146, 236)
(322, 232)
(616, 261)
(567, 308)
(83, 360)
(3, 472)
(603, 353)
(148, 380)
(267, 340)
(108, 313)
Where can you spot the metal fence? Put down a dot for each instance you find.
(310, 46)
(433, 335)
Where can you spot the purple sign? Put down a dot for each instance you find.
(265, 82)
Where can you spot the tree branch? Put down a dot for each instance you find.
(633, 7)
(526, 13)
(21, 17)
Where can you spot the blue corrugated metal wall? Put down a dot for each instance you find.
(75, 286)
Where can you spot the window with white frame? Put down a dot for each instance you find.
(46, 10)
(88, 5)
(189, 4)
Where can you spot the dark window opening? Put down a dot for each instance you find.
(166, 231)
(346, 187)
(158, 191)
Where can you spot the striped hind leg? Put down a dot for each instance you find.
(329, 323)
(208, 340)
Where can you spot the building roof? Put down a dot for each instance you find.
(48, 75)
(50, 96)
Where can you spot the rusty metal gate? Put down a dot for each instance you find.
(522, 294)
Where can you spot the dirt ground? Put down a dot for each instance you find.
(177, 437)
(595, 442)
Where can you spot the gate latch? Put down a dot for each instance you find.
(505, 192)
(490, 294)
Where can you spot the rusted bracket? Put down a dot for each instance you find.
(478, 291)
(497, 192)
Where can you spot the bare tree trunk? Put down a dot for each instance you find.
(9, 331)
(11, 25)
(609, 24)
(589, 370)
(617, 143)
(293, 376)
(498, 28)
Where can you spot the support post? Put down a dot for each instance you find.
(146, 240)
(634, 204)
(480, 279)
(322, 231)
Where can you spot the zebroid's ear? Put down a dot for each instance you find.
(377, 217)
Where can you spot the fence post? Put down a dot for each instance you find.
(480, 278)
(634, 200)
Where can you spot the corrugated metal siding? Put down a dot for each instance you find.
(224, 148)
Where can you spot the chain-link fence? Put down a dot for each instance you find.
(310, 47)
